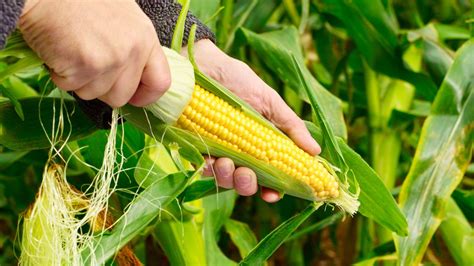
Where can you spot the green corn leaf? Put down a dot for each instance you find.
(178, 33)
(376, 202)
(162, 132)
(180, 237)
(451, 32)
(372, 261)
(154, 163)
(375, 34)
(20, 89)
(292, 11)
(217, 210)
(329, 141)
(262, 13)
(7, 92)
(191, 39)
(15, 89)
(471, 21)
(181, 241)
(402, 118)
(277, 48)
(15, 41)
(268, 245)
(243, 11)
(242, 236)
(436, 56)
(200, 189)
(129, 143)
(378, 252)
(16, 134)
(141, 212)
(334, 218)
(9, 158)
(176, 157)
(442, 156)
(26, 63)
(206, 11)
(225, 21)
(465, 200)
(332, 149)
(76, 165)
(458, 234)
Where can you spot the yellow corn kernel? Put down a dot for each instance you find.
(210, 116)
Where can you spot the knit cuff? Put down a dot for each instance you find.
(10, 11)
(165, 13)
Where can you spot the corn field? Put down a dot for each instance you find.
(385, 87)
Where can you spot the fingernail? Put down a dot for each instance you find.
(318, 148)
(273, 198)
(243, 181)
(244, 185)
(207, 170)
(270, 196)
(224, 171)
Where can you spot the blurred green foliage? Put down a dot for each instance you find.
(394, 87)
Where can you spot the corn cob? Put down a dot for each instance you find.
(223, 126)
(212, 117)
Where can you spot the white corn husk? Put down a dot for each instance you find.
(171, 105)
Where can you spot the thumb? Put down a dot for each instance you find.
(155, 80)
(277, 111)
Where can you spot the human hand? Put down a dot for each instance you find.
(241, 80)
(99, 49)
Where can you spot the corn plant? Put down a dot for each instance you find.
(386, 88)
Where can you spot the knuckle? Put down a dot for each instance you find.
(65, 83)
(90, 62)
(118, 60)
(165, 82)
(109, 103)
(239, 66)
(244, 181)
(149, 28)
(226, 161)
(272, 96)
(242, 65)
(85, 94)
(118, 102)
(95, 62)
(269, 103)
(162, 84)
(224, 70)
(144, 39)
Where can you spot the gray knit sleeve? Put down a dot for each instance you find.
(10, 11)
(165, 13)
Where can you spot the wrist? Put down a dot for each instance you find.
(25, 17)
(209, 58)
(29, 4)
